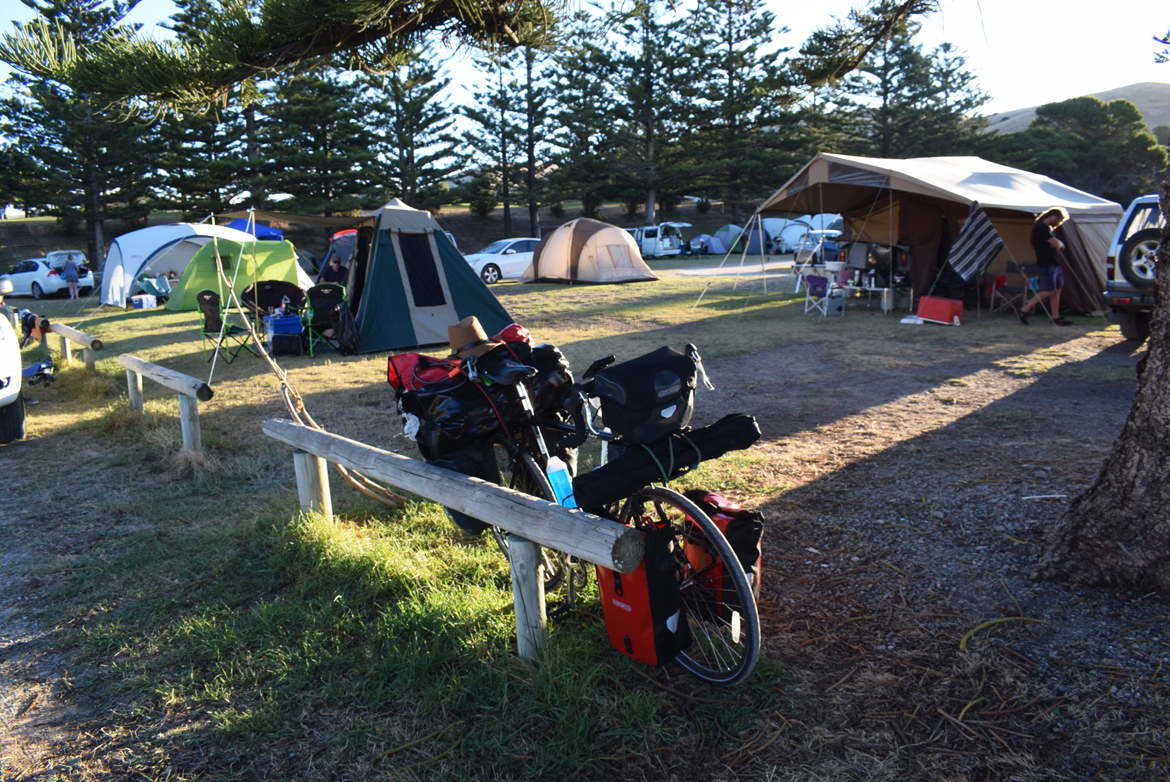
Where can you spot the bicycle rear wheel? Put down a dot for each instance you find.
(720, 605)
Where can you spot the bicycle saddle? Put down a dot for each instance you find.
(505, 373)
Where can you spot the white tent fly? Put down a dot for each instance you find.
(156, 251)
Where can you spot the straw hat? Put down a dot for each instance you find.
(468, 338)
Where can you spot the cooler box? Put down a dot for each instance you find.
(282, 324)
(939, 310)
(284, 335)
(143, 301)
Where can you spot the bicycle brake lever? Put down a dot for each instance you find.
(693, 352)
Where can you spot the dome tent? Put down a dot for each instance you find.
(156, 251)
(585, 250)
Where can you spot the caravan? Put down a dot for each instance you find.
(659, 241)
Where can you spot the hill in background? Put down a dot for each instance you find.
(1151, 98)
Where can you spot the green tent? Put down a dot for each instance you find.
(409, 282)
(256, 260)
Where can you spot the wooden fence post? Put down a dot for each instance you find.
(528, 596)
(189, 422)
(66, 349)
(134, 389)
(313, 483)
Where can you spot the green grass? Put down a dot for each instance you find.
(224, 635)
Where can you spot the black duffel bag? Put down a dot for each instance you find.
(641, 465)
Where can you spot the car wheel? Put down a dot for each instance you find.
(12, 421)
(37, 291)
(1139, 256)
(1135, 326)
(490, 274)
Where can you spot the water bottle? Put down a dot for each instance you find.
(284, 306)
(562, 482)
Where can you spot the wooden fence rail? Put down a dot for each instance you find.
(89, 344)
(530, 522)
(191, 390)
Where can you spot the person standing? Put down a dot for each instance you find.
(71, 274)
(1046, 246)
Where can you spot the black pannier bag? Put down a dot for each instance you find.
(643, 609)
(639, 465)
(647, 398)
(452, 412)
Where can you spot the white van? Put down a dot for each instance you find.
(659, 241)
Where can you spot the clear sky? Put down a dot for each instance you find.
(1024, 52)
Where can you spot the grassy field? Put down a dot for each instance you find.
(216, 633)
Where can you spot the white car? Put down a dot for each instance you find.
(1129, 268)
(506, 259)
(41, 277)
(11, 402)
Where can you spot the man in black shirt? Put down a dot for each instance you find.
(333, 271)
(1046, 245)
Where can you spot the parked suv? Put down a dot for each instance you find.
(1129, 269)
(11, 402)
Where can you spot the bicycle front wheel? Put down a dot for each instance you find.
(719, 602)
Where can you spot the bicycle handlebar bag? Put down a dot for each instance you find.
(648, 398)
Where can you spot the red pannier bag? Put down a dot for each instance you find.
(744, 530)
(643, 609)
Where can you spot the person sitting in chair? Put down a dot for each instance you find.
(333, 271)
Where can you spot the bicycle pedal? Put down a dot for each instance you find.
(558, 611)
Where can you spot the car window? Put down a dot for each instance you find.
(495, 247)
(527, 246)
(1144, 216)
(651, 233)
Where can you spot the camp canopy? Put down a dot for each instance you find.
(155, 251)
(585, 250)
(243, 263)
(921, 203)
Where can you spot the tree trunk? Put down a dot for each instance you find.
(1117, 533)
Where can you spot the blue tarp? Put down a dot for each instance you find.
(262, 232)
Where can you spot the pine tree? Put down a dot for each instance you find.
(78, 160)
(735, 141)
(583, 118)
(314, 144)
(412, 132)
(494, 139)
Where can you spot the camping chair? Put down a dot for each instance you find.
(320, 314)
(817, 293)
(232, 340)
(265, 297)
(1029, 285)
(158, 287)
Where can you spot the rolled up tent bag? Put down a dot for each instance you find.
(639, 465)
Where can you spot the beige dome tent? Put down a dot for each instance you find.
(585, 250)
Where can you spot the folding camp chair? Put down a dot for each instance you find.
(158, 287)
(818, 295)
(1028, 277)
(232, 340)
(266, 296)
(320, 315)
